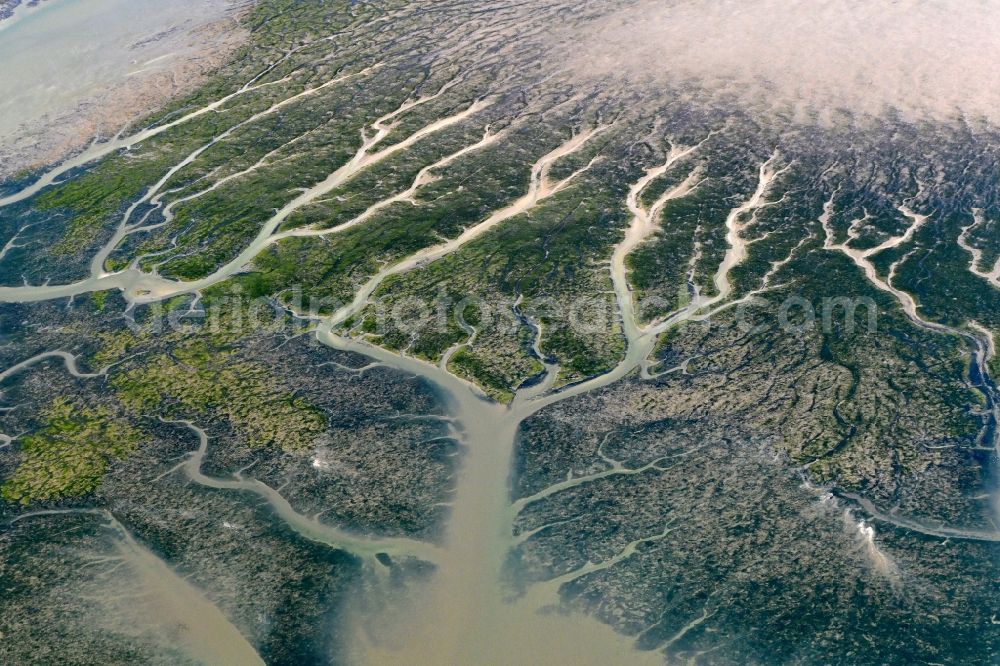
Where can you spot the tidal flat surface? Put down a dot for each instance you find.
(412, 334)
(73, 69)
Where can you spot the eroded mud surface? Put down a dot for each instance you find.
(417, 335)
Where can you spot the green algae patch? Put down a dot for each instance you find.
(100, 299)
(203, 371)
(69, 456)
(198, 378)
